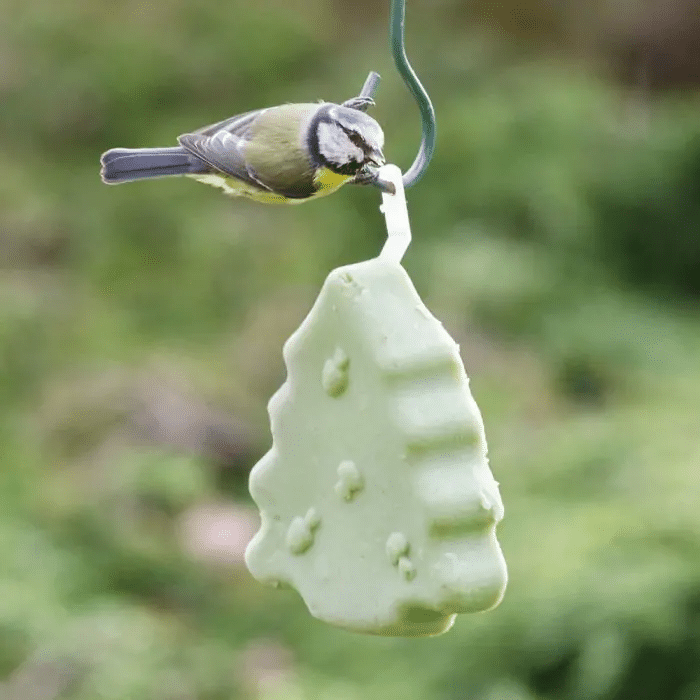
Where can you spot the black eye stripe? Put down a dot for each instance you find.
(355, 138)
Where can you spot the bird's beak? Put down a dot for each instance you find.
(376, 157)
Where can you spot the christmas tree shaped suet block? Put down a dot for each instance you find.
(376, 499)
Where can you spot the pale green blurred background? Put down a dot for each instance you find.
(555, 234)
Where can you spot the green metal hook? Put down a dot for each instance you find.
(427, 113)
(427, 146)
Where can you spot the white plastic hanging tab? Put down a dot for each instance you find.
(396, 214)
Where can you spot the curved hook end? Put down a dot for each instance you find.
(396, 39)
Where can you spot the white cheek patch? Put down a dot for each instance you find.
(336, 147)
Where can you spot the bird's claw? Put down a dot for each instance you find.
(366, 176)
(370, 176)
(360, 103)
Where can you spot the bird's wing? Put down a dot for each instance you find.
(238, 124)
(222, 146)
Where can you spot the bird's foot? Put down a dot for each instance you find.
(360, 103)
(370, 176)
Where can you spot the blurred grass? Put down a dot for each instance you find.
(141, 331)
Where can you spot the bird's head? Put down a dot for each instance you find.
(347, 140)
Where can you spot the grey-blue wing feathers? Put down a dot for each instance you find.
(217, 147)
(222, 146)
(265, 149)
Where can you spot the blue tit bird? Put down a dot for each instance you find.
(286, 154)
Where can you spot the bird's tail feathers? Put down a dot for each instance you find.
(125, 164)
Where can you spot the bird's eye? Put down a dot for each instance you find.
(356, 138)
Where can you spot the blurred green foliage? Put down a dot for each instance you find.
(141, 330)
